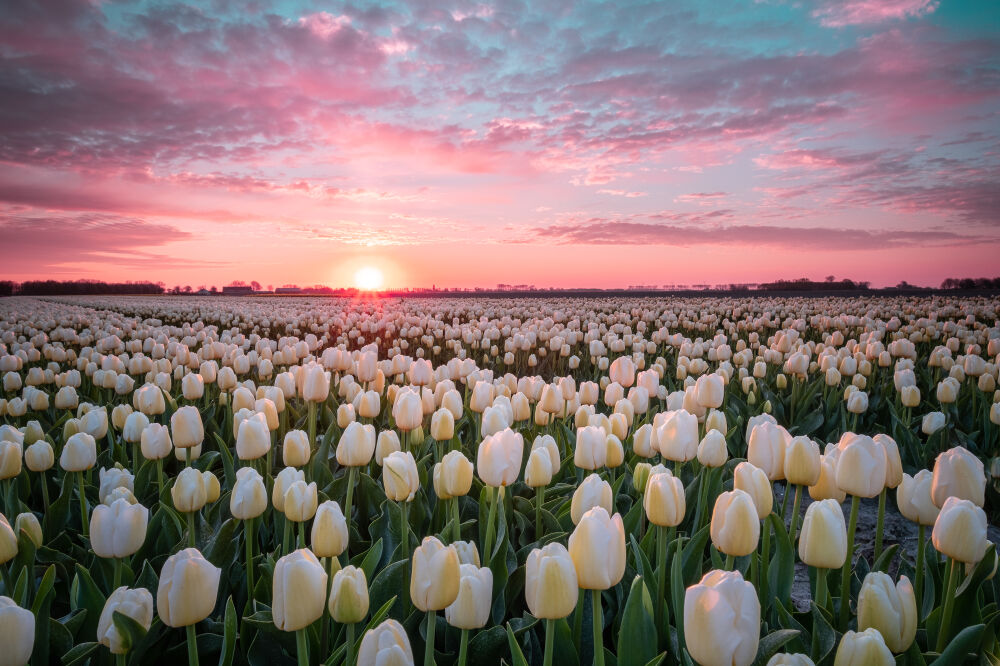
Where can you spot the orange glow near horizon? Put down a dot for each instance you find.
(369, 278)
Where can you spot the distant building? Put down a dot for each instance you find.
(237, 290)
(288, 290)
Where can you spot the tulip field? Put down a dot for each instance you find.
(574, 481)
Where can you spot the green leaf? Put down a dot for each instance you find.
(371, 560)
(79, 653)
(824, 636)
(389, 583)
(515, 650)
(85, 594)
(131, 631)
(635, 647)
(57, 513)
(488, 646)
(229, 637)
(966, 642)
(771, 643)
(781, 571)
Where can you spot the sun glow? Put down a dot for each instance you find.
(368, 278)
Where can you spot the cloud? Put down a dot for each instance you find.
(838, 13)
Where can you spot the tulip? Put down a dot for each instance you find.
(407, 411)
(826, 487)
(597, 547)
(932, 422)
(434, 583)
(155, 442)
(960, 534)
(8, 541)
(186, 430)
(193, 386)
(824, 542)
(591, 451)
(17, 633)
(116, 477)
(735, 525)
(385, 645)
(677, 437)
(249, 497)
(784, 659)
(136, 604)
(766, 449)
(189, 585)
(863, 648)
(253, 440)
(329, 531)
(958, 473)
(369, 405)
(914, 500)
(909, 396)
(39, 457)
(148, 399)
(664, 505)
(28, 523)
(710, 390)
(498, 462)
(10, 459)
(299, 587)
(356, 445)
(301, 500)
(118, 531)
(889, 608)
(79, 453)
(348, 602)
(471, 608)
(712, 450)
(401, 482)
(295, 450)
(721, 620)
(592, 492)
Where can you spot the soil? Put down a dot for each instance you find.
(897, 529)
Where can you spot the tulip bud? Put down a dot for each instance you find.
(754, 482)
(136, 604)
(315, 385)
(189, 585)
(28, 523)
(349, 596)
(498, 460)
(39, 457)
(118, 530)
(471, 608)
(329, 530)
(356, 445)
(909, 396)
(716, 420)
(823, 540)
(958, 473)
(249, 497)
(960, 531)
(188, 492)
(387, 442)
(592, 492)
(299, 590)
(663, 500)
(735, 525)
(802, 465)
(79, 453)
(913, 496)
(597, 547)
(407, 411)
(17, 632)
(345, 415)
(642, 441)
(385, 645)
(863, 648)
(591, 450)
(550, 587)
(722, 620)
(295, 450)
(434, 581)
(300, 501)
(861, 466)
(155, 442)
(253, 440)
(932, 422)
(442, 425)
(400, 477)
(889, 608)
(766, 449)
(677, 436)
(538, 471)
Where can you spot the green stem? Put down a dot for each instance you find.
(326, 620)
(728, 566)
(795, 512)
(84, 516)
(118, 573)
(784, 503)
(463, 647)
(248, 537)
(190, 526)
(879, 525)
(578, 618)
(404, 529)
(187, 457)
(821, 590)
(598, 628)
(352, 477)
(458, 519)
(159, 478)
(490, 521)
(45, 488)
(765, 560)
(539, 498)
(119, 660)
(350, 645)
(919, 584)
(702, 499)
(302, 643)
(302, 534)
(845, 579)
(192, 645)
(286, 536)
(429, 645)
(661, 572)
(949, 603)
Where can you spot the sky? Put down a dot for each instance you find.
(456, 143)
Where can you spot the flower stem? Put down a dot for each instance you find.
(845, 580)
(949, 603)
(192, 645)
(661, 572)
(190, 526)
(302, 643)
(118, 573)
(458, 520)
(765, 560)
(84, 516)
(795, 513)
(919, 584)
(598, 629)
(463, 647)
(490, 522)
(404, 529)
(248, 537)
(352, 478)
(539, 498)
(350, 645)
(880, 525)
(429, 646)
(286, 536)
(728, 566)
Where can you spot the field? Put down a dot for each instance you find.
(631, 481)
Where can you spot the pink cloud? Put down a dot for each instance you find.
(838, 13)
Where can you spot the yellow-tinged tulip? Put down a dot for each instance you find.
(471, 608)
(136, 604)
(913, 496)
(368, 405)
(249, 497)
(766, 449)
(434, 581)
(295, 451)
(958, 473)
(300, 501)
(345, 415)
(712, 450)
(329, 530)
(189, 585)
(298, 590)
(960, 531)
(400, 477)
(909, 396)
(677, 436)
(186, 429)
(643, 442)
(594, 491)
(890, 608)
(357, 445)
(387, 442)
(407, 411)
(802, 464)
(253, 439)
(28, 522)
(118, 530)
(663, 499)
(282, 482)
(861, 466)
(753, 481)
(155, 442)
(826, 487)
(442, 425)
(467, 551)
(615, 453)
(79, 453)
(597, 547)
(213, 489)
(863, 648)
(10, 459)
(385, 645)
(550, 587)
(39, 456)
(315, 385)
(498, 460)
(591, 451)
(538, 471)
(8, 541)
(823, 539)
(17, 633)
(735, 524)
(188, 492)
(349, 596)
(722, 620)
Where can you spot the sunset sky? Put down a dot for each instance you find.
(464, 144)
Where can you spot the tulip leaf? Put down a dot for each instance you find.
(824, 637)
(635, 647)
(770, 644)
(41, 609)
(642, 564)
(885, 559)
(131, 631)
(388, 584)
(228, 467)
(221, 547)
(488, 646)
(79, 653)
(370, 560)
(657, 660)
(781, 571)
(565, 647)
(517, 656)
(57, 513)
(809, 424)
(60, 639)
(84, 593)
(966, 642)
(230, 635)
(692, 555)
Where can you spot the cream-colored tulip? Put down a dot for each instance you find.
(155, 442)
(802, 461)
(597, 547)
(329, 530)
(677, 436)
(385, 645)
(349, 596)
(435, 575)
(498, 460)
(471, 608)
(753, 481)
(118, 530)
(958, 473)
(722, 620)
(550, 587)
(766, 449)
(960, 531)
(861, 466)
(663, 500)
(188, 587)
(301, 501)
(823, 539)
(295, 451)
(298, 590)
(712, 450)
(913, 497)
(249, 497)
(593, 491)
(79, 453)
(591, 451)
(186, 429)
(136, 604)
(253, 439)
(890, 608)
(39, 456)
(17, 633)
(188, 492)
(735, 526)
(863, 648)
(400, 477)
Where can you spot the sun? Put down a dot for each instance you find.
(368, 278)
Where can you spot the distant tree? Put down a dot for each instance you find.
(255, 285)
(187, 289)
(830, 278)
(7, 288)
(214, 289)
(270, 287)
